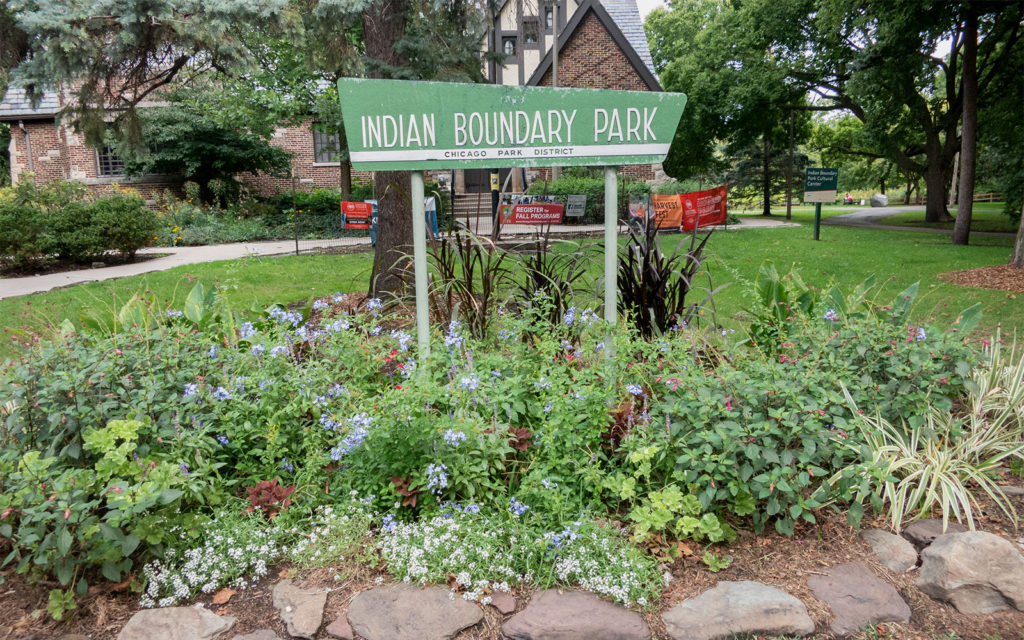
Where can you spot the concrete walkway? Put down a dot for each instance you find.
(178, 256)
(869, 219)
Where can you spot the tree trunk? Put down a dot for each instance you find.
(910, 190)
(935, 181)
(766, 179)
(1017, 259)
(383, 27)
(881, 186)
(968, 135)
(345, 179)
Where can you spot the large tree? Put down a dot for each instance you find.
(110, 56)
(739, 105)
(881, 61)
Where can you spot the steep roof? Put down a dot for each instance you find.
(627, 16)
(645, 69)
(16, 105)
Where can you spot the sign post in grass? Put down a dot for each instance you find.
(397, 125)
(820, 186)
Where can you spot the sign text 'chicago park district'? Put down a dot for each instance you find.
(401, 125)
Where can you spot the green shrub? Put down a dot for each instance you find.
(678, 186)
(124, 223)
(20, 241)
(71, 233)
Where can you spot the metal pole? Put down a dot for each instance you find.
(611, 244)
(817, 219)
(419, 247)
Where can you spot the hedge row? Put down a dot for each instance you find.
(74, 230)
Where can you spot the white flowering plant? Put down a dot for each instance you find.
(489, 552)
(232, 549)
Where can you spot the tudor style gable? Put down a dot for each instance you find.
(601, 44)
(594, 53)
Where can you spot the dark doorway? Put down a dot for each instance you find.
(479, 180)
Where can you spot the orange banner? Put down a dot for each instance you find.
(668, 211)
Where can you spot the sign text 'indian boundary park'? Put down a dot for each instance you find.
(396, 125)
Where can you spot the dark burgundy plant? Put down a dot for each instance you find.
(270, 497)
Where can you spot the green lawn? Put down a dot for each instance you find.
(803, 213)
(985, 216)
(849, 256)
(280, 279)
(845, 255)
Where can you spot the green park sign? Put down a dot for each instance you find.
(396, 125)
(820, 184)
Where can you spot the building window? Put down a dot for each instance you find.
(508, 45)
(531, 30)
(108, 163)
(326, 146)
(549, 17)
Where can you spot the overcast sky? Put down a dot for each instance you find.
(646, 6)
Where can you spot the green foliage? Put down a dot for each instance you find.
(927, 469)
(181, 141)
(123, 223)
(518, 434)
(117, 62)
(61, 219)
(20, 242)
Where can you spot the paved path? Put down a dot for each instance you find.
(870, 219)
(178, 256)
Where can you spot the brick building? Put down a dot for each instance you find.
(51, 149)
(601, 45)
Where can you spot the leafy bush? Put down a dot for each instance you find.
(677, 186)
(124, 223)
(20, 242)
(71, 232)
(525, 425)
(181, 141)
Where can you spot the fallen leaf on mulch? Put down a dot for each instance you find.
(222, 596)
(1002, 277)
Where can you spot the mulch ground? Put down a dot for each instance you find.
(1001, 277)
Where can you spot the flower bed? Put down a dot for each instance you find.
(571, 453)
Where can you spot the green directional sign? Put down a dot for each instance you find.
(820, 184)
(403, 125)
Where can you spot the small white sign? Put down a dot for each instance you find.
(576, 206)
(819, 196)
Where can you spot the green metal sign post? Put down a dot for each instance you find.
(820, 186)
(396, 125)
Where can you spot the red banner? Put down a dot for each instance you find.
(703, 208)
(357, 214)
(535, 213)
